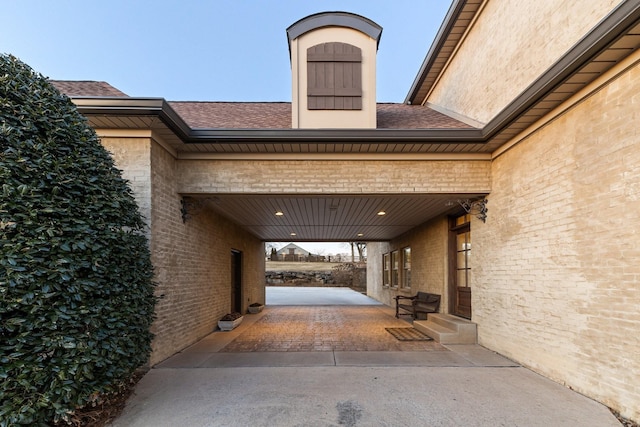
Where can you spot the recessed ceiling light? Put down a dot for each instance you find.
(382, 213)
(293, 234)
(360, 234)
(279, 213)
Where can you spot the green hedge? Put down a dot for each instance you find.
(76, 289)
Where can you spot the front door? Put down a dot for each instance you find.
(236, 281)
(459, 276)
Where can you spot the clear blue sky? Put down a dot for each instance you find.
(203, 50)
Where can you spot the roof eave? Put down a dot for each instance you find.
(624, 17)
(441, 136)
(441, 37)
(163, 110)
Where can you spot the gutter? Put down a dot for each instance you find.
(611, 28)
(160, 107)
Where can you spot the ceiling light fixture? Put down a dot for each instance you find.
(382, 213)
(360, 234)
(293, 234)
(279, 213)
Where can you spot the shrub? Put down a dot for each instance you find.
(76, 290)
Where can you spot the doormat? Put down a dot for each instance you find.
(408, 334)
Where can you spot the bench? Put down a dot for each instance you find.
(420, 303)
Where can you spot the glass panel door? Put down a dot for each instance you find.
(460, 256)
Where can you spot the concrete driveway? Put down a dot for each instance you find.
(305, 366)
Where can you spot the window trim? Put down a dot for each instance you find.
(386, 269)
(395, 269)
(406, 267)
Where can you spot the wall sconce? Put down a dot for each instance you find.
(475, 207)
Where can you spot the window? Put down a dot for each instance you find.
(406, 268)
(386, 270)
(334, 77)
(459, 263)
(395, 268)
(463, 253)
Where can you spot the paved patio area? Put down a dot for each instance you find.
(336, 365)
(325, 328)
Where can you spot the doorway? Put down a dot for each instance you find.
(236, 281)
(459, 266)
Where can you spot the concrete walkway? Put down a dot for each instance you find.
(296, 366)
(288, 295)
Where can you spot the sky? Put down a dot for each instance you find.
(317, 248)
(205, 50)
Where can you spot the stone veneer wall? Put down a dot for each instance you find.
(556, 267)
(428, 244)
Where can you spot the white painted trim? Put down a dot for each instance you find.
(464, 119)
(124, 133)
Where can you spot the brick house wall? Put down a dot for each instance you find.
(428, 244)
(555, 268)
(131, 156)
(483, 78)
(555, 272)
(191, 260)
(334, 176)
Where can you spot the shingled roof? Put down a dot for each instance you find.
(235, 115)
(267, 115)
(87, 88)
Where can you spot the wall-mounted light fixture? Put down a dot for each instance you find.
(476, 207)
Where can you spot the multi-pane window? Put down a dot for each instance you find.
(463, 253)
(463, 248)
(395, 268)
(386, 270)
(406, 268)
(461, 266)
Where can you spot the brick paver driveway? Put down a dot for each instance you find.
(325, 328)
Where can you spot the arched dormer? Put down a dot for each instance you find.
(333, 61)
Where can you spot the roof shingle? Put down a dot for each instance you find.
(266, 115)
(87, 88)
(235, 115)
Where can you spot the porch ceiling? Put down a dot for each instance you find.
(335, 218)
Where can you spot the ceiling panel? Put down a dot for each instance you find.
(327, 217)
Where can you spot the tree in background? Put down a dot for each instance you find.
(76, 290)
(361, 247)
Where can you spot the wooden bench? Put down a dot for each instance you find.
(420, 303)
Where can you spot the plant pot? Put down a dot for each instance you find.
(228, 325)
(255, 309)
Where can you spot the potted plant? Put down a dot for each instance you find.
(230, 321)
(256, 307)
